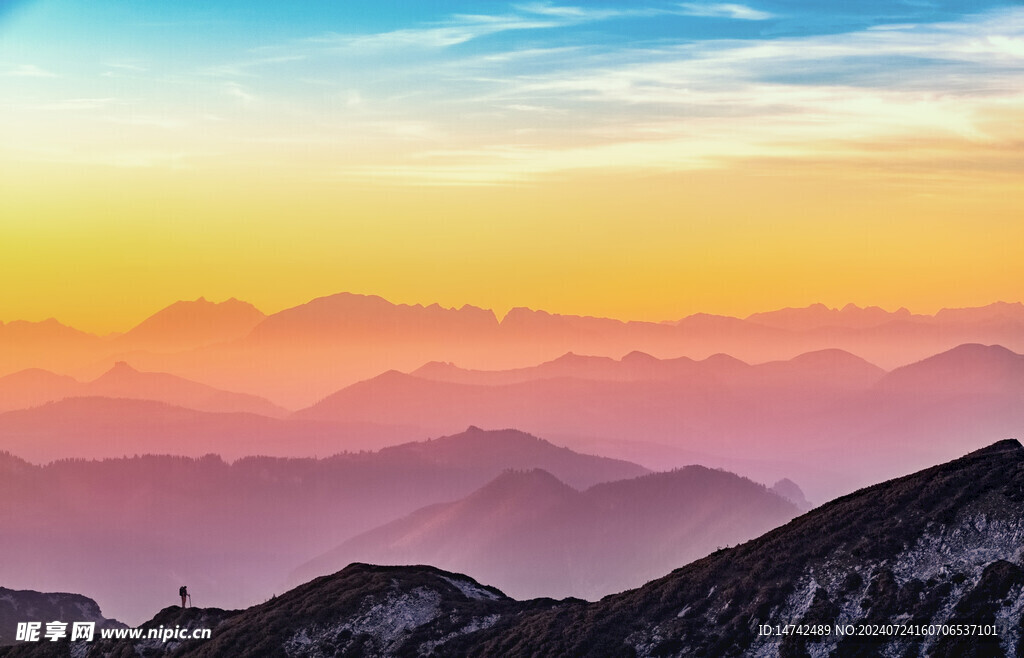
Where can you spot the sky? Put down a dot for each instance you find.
(638, 160)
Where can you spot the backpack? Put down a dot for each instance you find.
(182, 591)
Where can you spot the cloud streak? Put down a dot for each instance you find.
(705, 105)
(724, 10)
(454, 100)
(29, 71)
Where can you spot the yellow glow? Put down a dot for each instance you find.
(118, 243)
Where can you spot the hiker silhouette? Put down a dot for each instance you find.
(183, 592)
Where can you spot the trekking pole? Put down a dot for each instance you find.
(190, 601)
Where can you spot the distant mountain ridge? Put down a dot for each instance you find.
(967, 369)
(829, 366)
(817, 316)
(807, 410)
(768, 421)
(33, 387)
(298, 355)
(325, 317)
(105, 428)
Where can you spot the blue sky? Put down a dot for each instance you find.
(480, 89)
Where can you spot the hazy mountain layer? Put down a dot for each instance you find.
(299, 355)
(30, 388)
(130, 531)
(531, 536)
(939, 547)
(821, 418)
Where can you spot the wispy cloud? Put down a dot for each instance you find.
(704, 105)
(237, 91)
(249, 68)
(127, 66)
(74, 104)
(460, 29)
(724, 10)
(29, 71)
(423, 110)
(119, 158)
(575, 15)
(515, 164)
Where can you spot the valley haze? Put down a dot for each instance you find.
(629, 457)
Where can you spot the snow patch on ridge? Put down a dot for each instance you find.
(475, 624)
(388, 622)
(471, 590)
(964, 548)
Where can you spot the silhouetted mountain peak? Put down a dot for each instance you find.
(477, 448)
(36, 376)
(121, 368)
(517, 313)
(48, 329)
(190, 324)
(476, 437)
(791, 492)
(977, 351)
(523, 485)
(638, 357)
(498, 437)
(969, 368)
(838, 366)
(829, 356)
(435, 366)
(683, 483)
(721, 359)
(345, 312)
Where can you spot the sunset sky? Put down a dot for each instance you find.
(641, 160)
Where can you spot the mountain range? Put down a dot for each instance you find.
(795, 419)
(791, 418)
(938, 549)
(102, 428)
(128, 530)
(298, 355)
(33, 387)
